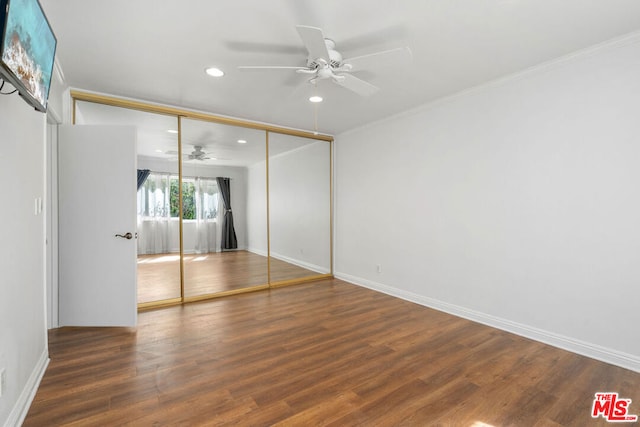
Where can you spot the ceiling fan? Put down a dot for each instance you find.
(196, 154)
(324, 62)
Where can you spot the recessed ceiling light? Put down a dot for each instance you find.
(172, 131)
(315, 98)
(159, 151)
(214, 72)
(242, 141)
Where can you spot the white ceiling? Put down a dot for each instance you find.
(158, 50)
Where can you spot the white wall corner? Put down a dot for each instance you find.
(303, 264)
(257, 251)
(621, 41)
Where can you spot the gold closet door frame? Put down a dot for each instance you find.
(180, 114)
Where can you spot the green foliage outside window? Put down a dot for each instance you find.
(188, 200)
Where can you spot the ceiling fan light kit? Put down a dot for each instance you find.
(214, 72)
(198, 154)
(324, 62)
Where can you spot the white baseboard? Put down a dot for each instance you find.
(257, 251)
(317, 268)
(21, 408)
(593, 351)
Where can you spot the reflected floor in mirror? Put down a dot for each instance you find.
(159, 275)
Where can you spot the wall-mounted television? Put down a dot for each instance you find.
(27, 50)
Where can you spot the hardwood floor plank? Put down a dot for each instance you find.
(266, 416)
(323, 353)
(326, 412)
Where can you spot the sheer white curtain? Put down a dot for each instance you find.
(154, 215)
(158, 233)
(206, 196)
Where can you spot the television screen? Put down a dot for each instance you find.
(28, 48)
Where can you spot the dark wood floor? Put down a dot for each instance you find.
(323, 353)
(211, 273)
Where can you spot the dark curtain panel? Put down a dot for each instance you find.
(143, 174)
(229, 240)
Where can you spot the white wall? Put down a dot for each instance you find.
(299, 206)
(257, 208)
(516, 204)
(23, 341)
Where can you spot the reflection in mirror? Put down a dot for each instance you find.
(224, 246)
(299, 207)
(158, 241)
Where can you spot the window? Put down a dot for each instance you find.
(208, 198)
(153, 196)
(159, 197)
(188, 198)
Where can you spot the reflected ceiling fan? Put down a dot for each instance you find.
(196, 154)
(324, 62)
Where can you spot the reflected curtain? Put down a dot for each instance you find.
(143, 174)
(229, 240)
(206, 213)
(154, 215)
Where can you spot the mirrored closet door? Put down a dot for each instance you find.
(224, 206)
(158, 222)
(299, 208)
(224, 229)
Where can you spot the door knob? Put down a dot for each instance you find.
(127, 236)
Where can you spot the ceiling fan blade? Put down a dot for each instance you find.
(269, 67)
(264, 48)
(393, 34)
(356, 85)
(398, 57)
(313, 40)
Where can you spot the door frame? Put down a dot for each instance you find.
(51, 217)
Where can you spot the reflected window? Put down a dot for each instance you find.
(188, 198)
(159, 197)
(207, 197)
(154, 196)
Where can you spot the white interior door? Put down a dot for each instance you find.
(97, 201)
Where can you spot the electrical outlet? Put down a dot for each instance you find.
(378, 268)
(2, 381)
(37, 206)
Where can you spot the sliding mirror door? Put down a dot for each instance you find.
(224, 231)
(299, 208)
(224, 206)
(158, 232)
